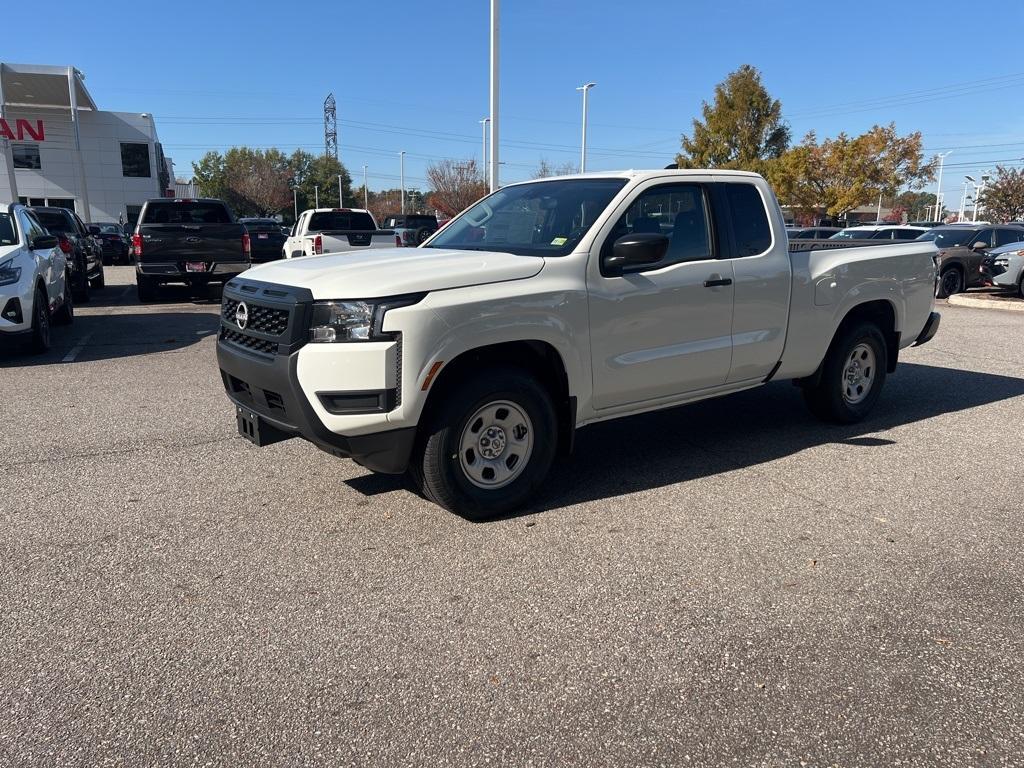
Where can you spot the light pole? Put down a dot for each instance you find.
(341, 193)
(295, 201)
(316, 197)
(963, 197)
(495, 9)
(979, 190)
(401, 171)
(483, 167)
(366, 192)
(878, 215)
(583, 149)
(938, 188)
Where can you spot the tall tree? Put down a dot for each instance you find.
(316, 176)
(454, 185)
(843, 173)
(1003, 198)
(742, 129)
(917, 204)
(258, 178)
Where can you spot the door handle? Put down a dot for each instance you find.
(717, 282)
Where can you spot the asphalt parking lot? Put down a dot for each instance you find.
(727, 583)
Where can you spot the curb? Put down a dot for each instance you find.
(975, 302)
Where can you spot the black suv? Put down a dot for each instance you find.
(266, 239)
(83, 252)
(412, 228)
(962, 250)
(113, 240)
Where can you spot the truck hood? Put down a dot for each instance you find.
(377, 272)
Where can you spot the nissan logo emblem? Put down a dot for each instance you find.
(242, 315)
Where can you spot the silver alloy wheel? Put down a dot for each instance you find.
(496, 444)
(858, 374)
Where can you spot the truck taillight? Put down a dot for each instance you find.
(136, 244)
(246, 245)
(318, 245)
(65, 245)
(398, 240)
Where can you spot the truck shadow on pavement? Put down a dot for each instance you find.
(106, 337)
(750, 428)
(737, 432)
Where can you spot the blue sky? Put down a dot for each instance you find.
(413, 75)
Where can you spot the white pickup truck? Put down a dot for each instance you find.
(549, 305)
(321, 231)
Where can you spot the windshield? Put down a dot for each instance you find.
(185, 213)
(54, 222)
(109, 229)
(7, 236)
(854, 233)
(542, 218)
(944, 237)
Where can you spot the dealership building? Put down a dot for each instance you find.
(60, 149)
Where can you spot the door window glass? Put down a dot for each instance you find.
(678, 211)
(1007, 236)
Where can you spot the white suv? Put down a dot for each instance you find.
(34, 282)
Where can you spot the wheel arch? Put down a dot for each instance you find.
(536, 356)
(883, 313)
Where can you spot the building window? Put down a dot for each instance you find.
(26, 156)
(135, 160)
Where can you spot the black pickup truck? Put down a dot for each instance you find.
(195, 242)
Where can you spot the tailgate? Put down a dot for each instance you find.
(351, 239)
(186, 242)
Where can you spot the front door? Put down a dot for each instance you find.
(666, 330)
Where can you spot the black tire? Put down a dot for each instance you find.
(146, 288)
(1020, 287)
(422, 234)
(438, 468)
(951, 281)
(80, 287)
(40, 337)
(66, 314)
(100, 281)
(840, 396)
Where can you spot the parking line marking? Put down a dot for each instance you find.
(70, 356)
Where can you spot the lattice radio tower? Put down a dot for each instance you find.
(330, 127)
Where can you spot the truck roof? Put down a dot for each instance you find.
(337, 210)
(642, 173)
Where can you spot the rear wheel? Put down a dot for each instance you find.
(66, 314)
(100, 281)
(852, 375)
(1020, 286)
(950, 282)
(422, 234)
(489, 446)
(146, 288)
(40, 323)
(80, 286)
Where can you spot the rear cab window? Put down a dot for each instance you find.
(325, 221)
(750, 227)
(180, 212)
(55, 223)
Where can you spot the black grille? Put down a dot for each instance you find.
(268, 320)
(249, 342)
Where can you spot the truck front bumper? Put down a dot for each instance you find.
(270, 406)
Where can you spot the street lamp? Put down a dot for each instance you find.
(494, 101)
(979, 192)
(366, 192)
(938, 188)
(963, 197)
(401, 171)
(485, 122)
(583, 149)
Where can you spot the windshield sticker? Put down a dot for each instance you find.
(560, 241)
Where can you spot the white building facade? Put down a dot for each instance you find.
(60, 149)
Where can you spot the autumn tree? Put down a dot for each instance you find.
(843, 173)
(1003, 198)
(742, 129)
(316, 176)
(454, 185)
(259, 180)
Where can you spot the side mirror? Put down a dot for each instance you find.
(631, 253)
(43, 242)
(981, 245)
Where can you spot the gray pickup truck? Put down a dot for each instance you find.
(194, 241)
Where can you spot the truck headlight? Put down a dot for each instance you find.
(351, 320)
(9, 273)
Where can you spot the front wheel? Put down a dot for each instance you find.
(852, 375)
(40, 337)
(66, 314)
(490, 445)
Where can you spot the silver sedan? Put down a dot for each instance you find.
(1008, 267)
